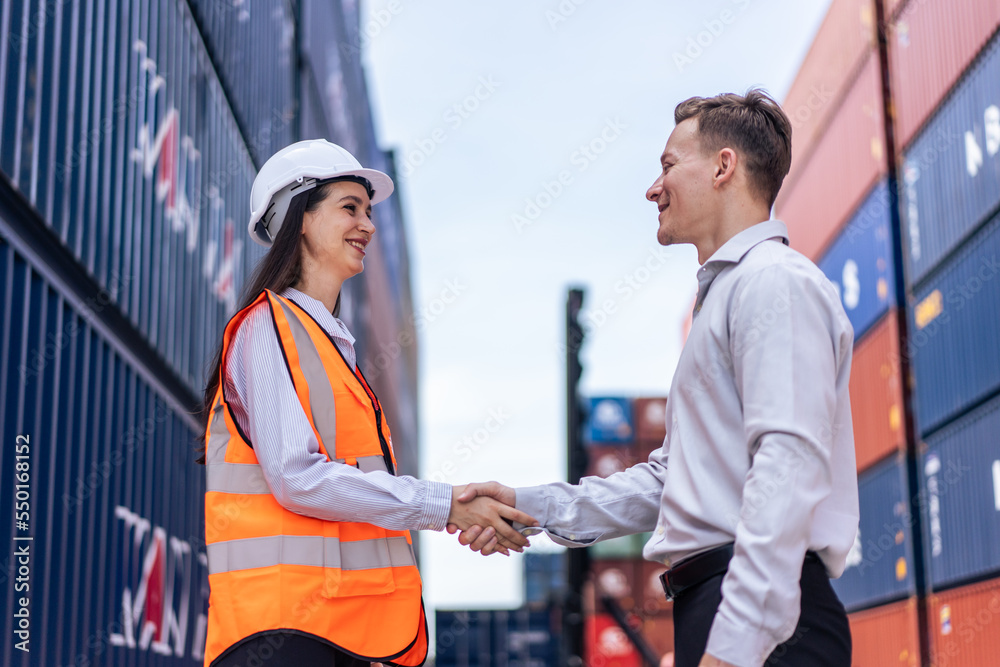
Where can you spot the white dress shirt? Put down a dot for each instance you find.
(759, 443)
(303, 480)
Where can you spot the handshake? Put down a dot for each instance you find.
(484, 514)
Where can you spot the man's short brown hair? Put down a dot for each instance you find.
(752, 124)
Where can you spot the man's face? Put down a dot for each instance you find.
(683, 191)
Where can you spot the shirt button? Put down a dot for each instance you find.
(433, 526)
(659, 531)
(573, 537)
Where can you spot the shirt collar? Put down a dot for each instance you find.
(318, 310)
(733, 251)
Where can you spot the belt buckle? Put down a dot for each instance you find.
(667, 588)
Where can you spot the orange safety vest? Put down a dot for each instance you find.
(352, 584)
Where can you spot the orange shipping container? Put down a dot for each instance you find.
(886, 636)
(659, 632)
(604, 461)
(619, 579)
(654, 601)
(843, 40)
(965, 626)
(650, 416)
(876, 394)
(828, 183)
(931, 44)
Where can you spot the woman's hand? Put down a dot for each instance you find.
(491, 516)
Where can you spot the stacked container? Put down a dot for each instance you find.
(942, 60)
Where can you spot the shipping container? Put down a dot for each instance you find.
(886, 636)
(653, 598)
(650, 420)
(659, 632)
(609, 421)
(516, 638)
(931, 43)
(253, 49)
(124, 143)
(965, 626)
(605, 460)
(108, 547)
(951, 171)
(842, 44)
(545, 578)
(954, 343)
(619, 579)
(877, 395)
(859, 262)
(607, 645)
(880, 564)
(961, 486)
(830, 181)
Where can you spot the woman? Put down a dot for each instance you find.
(309, 554)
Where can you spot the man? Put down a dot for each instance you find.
(753, 496)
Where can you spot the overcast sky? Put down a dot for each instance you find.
(527, 134)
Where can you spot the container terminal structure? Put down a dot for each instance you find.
(130, 134)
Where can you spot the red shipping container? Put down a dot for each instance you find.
(843, 41)
(604, 460)
(650, 419)
(607, 645)
(653, 600)
(886, 636)
(826, 185)
(931, 44)
(659, 633)
(619, 579)
(877, 395)
(965, 626)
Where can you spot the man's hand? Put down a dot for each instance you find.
(709, 661)
(482, 512)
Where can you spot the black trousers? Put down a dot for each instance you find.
(822, 637)
(286, 649)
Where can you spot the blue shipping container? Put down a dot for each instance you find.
(609, 421)
(954, 343)
(545, 577)
(961, 486)
(879, 565)
(516, 638)
(951, 171)
(859, 262)
(104, 563)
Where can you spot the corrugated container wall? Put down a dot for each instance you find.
(961, 486)
(609, 422)
(253, 50)
(115, 571)
(965, 626)
(876, 394)
(859, 262)
(880, 564)
(951, 172)
(954, 344)
(491, 637)
(844, 40)
(931, 42)
(886, 636)
(816, 199)
(143, 176)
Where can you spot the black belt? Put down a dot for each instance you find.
(696, 569)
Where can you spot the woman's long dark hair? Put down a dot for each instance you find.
(279, 269)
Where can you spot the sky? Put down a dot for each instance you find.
(526, 135)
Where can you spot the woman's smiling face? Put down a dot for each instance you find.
(336, 234)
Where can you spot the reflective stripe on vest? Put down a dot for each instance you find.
(309, 550)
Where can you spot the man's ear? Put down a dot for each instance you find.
(725, 166)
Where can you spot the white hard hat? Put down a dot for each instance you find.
(299, 168)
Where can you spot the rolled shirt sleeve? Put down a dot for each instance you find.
(301, 478)
(787, 362)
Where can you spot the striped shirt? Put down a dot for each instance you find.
(264, 403)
